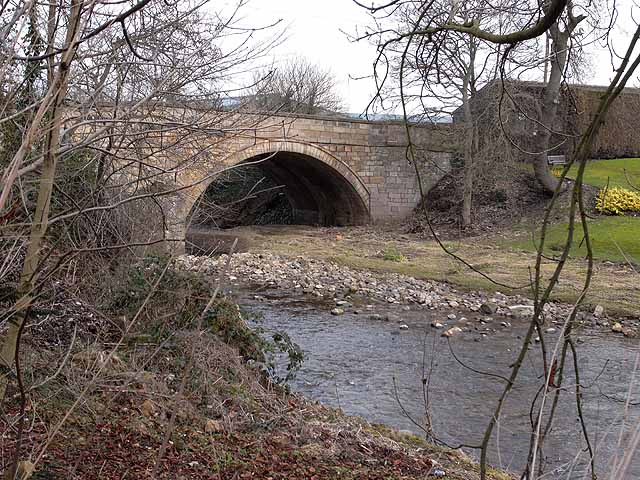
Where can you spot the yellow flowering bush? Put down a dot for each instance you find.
(617, 201)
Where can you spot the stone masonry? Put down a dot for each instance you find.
(370, 156)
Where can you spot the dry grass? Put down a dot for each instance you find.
(615, 286)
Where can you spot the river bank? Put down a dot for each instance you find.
(144, 384)
(351, 288)
(383, 250)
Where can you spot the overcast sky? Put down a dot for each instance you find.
(314, 29)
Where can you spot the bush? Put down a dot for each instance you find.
(617, 201)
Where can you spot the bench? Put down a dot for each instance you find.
(556, 160)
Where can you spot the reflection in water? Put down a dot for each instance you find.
(352, 361)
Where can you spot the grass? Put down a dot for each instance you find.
(392, 254)
(613, 238)
(613, 287)
(615, 173)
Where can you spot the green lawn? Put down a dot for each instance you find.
(613, 238)
(617, 172)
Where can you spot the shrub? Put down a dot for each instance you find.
(617, 201)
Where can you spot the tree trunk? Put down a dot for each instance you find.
(468, 174)
(551, 100)
(467, 188)
(41, 216)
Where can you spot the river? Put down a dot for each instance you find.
(353, 362)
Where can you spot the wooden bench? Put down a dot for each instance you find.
(554, 160)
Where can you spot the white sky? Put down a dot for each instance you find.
(314, 29)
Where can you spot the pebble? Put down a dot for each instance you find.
(617, 327)
(404, 327)
(436, 325)
(321, 278)
(521, 310)
(337, 311)
(550, 330)
(451, 332)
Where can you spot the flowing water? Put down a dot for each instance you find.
(373, 369)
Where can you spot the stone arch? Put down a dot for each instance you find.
(343, 181)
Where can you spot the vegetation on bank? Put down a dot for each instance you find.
(138, 378)
(617, 201)
(614, 233)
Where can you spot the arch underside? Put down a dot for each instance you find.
(318, 193)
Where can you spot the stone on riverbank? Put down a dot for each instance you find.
(323, 278)
(488, 308)
(451, 332)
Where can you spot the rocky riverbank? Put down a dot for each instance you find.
(325, 279)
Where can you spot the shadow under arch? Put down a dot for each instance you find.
(321, 189)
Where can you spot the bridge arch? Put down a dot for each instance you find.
(322, 189)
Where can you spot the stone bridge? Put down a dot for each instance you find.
(334, 171)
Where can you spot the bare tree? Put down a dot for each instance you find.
(560, 34)
(101, 104)
(442, 78)
(528, 21)
(296, 86)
